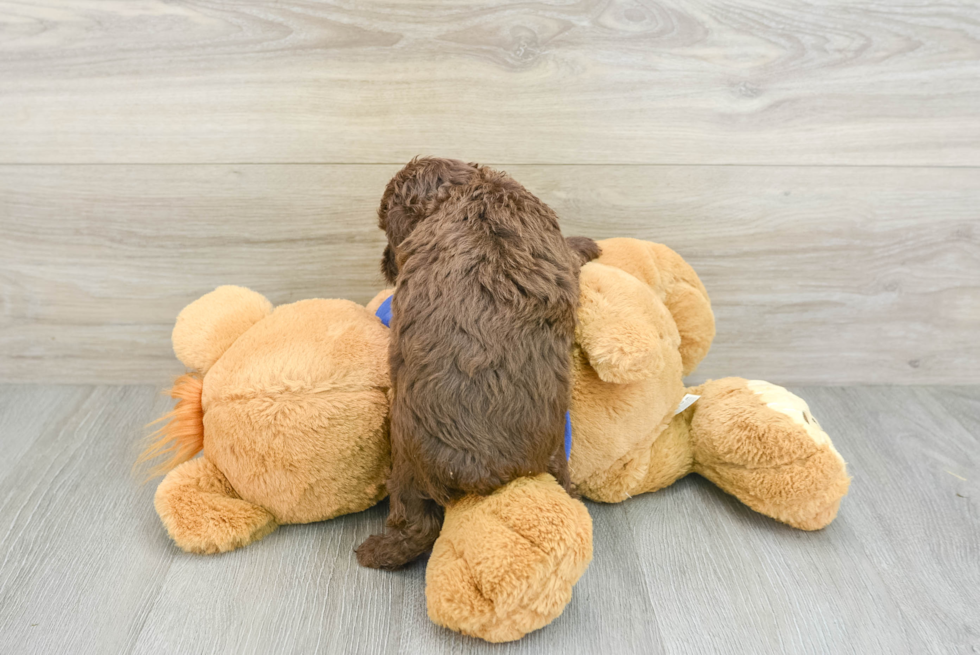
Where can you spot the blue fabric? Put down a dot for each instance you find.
(568, 435)
(384, 313)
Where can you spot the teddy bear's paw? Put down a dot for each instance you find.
(505, 564)
(789, 404)
(759, 442)
(203, 514)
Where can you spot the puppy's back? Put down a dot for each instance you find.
(483, 328)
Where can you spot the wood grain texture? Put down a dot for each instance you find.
(916, 522)
(82, 553)
(28, 412)
(892, 573)
(594, 81)
(962, 404)
(817, 274)
(87, 567)
(300, 590)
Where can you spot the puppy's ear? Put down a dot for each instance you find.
(389, 267)
(427, 182)
(585, 249)
(414, 194)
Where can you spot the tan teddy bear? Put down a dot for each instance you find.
(645, 322)
(290, 408)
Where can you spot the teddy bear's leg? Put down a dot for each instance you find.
(505, 564)
(647, 468)
(760, 443)
(202, 512)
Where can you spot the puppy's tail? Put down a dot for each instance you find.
(182, 435)
(584, 248)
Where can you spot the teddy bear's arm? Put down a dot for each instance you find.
(623, 327)
(208, 326)
(676, 283)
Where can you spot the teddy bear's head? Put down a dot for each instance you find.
(645, 322)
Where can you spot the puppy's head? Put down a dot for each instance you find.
(412, 195)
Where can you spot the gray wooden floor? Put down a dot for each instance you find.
(87, 568)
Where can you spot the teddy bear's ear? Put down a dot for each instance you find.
(688, 302)
(623, 327)
(676, 283)
(209, 325)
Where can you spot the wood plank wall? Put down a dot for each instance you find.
(818, 163)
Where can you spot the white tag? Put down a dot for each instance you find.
(687, 401)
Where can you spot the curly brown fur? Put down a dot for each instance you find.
(483, 320)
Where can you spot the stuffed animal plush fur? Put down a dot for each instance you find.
(290, 409)
(645, 322)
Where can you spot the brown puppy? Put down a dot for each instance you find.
(483, 320)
